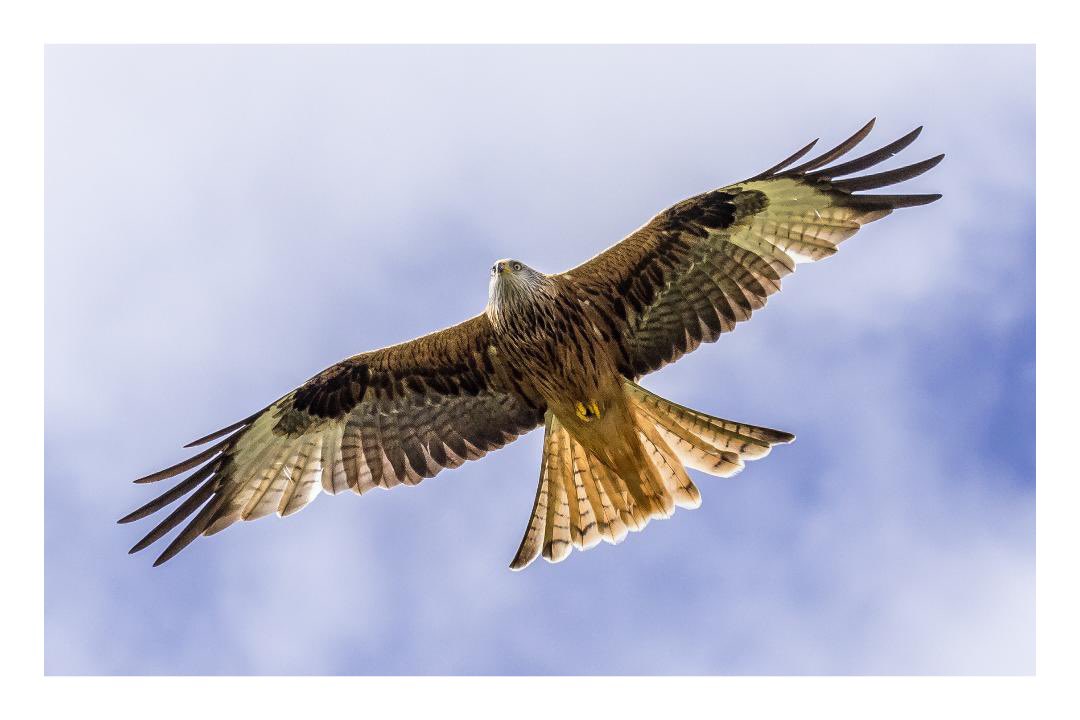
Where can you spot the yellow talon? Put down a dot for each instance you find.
(582, 412)
(587, 413)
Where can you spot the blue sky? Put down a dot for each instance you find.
(223, 222)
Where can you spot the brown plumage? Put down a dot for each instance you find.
(563, 350)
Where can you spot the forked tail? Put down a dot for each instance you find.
(581, 501)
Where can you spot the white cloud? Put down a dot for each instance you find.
(221, 225)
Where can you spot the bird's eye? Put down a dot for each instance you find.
(516, 266)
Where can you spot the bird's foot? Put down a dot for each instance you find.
(588, 412)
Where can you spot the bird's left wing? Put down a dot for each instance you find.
(379, 419)
(708, 262)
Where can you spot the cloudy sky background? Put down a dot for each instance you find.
(224, 222)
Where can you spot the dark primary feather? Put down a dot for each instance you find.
(840, 150)
(889, 177)
(184, 466)
(787, 161)
(868, 160)
(223, 431)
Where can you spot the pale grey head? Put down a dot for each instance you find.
(512, 282)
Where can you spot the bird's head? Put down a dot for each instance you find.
(509, 266)
(512, 281)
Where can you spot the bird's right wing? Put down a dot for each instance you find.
(379, 419)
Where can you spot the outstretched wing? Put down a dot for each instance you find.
(705, 264)
(379, 419)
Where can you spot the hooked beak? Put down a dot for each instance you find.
(502, 268)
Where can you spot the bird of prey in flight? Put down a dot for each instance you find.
(564, 351)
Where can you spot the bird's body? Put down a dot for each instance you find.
(563, 350)
(547, 331)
